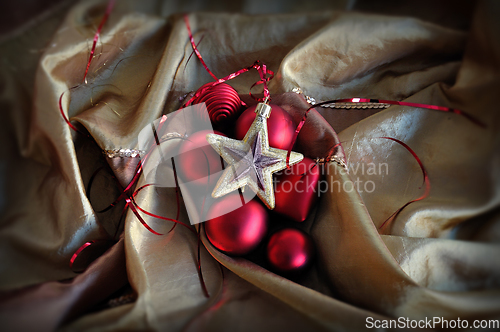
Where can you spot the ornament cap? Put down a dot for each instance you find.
(263, 110)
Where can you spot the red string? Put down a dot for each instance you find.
(195, 49)
(426, 181)
(132, 206)
(109, 8)
(129, 195)
(424, 172)
(192, 52)
(77, 252)
(111, 4)
(132, 199)
(61, 110)
(262, 70)
(258, 65)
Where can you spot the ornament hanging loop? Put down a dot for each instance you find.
(263, 110)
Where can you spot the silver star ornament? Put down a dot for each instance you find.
(251, 161)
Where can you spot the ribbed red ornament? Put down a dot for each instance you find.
(280, 126)
(223, 104)
(239, 231)
(290, 250)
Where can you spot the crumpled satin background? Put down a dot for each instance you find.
(439, 257)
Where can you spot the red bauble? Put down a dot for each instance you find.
(197, 159)
(290, 250)
(296, 190)
(223, 104)
(239, 231)
(280, 126)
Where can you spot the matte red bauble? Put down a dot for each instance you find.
(280, 126)
(290, 250)
(239, 231)
(223, 104)
(296, 190)
(197, 159)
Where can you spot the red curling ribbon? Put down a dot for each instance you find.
(195, 49)
(111, 4)
(190, 55)
(134, 210)
(77, 252)
(133, 202)
(129, 198)
(379, 101)
(109, 8)
(426, 181)
(90, 251)
(135, 207)
(258, 65)
(61, 110)
(129, 195)
(263, 72)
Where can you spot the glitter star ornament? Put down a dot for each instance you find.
(251, 162)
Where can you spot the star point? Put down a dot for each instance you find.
(250, 162)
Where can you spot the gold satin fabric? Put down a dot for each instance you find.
(438, 258)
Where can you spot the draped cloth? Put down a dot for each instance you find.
(439, 257)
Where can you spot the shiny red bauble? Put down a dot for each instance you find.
(239, 231)
(280, 126)
(223, 103)
(290, 251)
(197, 159)
(296, 190)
